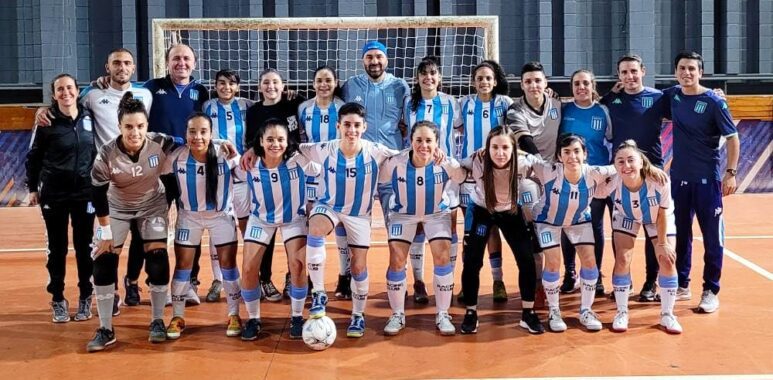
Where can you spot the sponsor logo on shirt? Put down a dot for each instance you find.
(677, 98)
(358, 99)
(161, 92)
(194, 95)
(292, 123)
(646, 102)
(617, 101)
(700, 107)
(116, 171)
(153, 161)
(104, 100)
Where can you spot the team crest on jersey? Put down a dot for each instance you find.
(700, 107)
(526, 197)
(320, 210)
(183, 234)
(499, 111)
(311, 193)
(653, 201)
(440, 178)
(627, 223)
(597, 123)
(445, 108)
(546, 237)
(153, 161)
(396, 230)
(90, 208)
(646, 102)
(390, 98)
(194, 95)
(482, 230)
(87, 124)
(256, 232)
(553, 113)
(221, 168)
(464, 199)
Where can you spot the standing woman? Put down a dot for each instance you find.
(203, 189)
(481, 112)
(495, 203)
(428, 103)
(127, 189)
(59, 179)
(419, 197)
(587, 118)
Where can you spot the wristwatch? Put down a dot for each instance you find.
(732, 172)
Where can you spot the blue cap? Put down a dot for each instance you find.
(370, 45)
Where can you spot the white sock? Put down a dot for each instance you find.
(551, 281)
(588, 279)
(232, 289)
(315, 262)
(158, 300)
(343, 251)
(621, 284)
(360, 285)
(179, 289)
(105, 296)
(668, 286)
(396, 288)
(416, 253)
(252, 302)
(444, 286)
(297, 299)
(454, 248)
(217, 274)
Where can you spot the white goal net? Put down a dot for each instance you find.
(297, 46)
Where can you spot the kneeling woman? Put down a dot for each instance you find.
(420, 197)
(495, 204)
(203, 189)
(641, 199)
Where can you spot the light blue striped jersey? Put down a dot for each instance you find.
(228, 120)
(192, 180)
(419, 191)
(592, 124)
(479, 118)
(347, 184)
(319, 124)
(641, 206)
(443, 110)
(564, 203)
(383, 102)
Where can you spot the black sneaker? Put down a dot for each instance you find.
(101, 340)
(649, 292)
(570, 283)
(344, 287)
(420, 293)
(251, 329)
(116, 305)
(132, 297)
(530, 321)
(157, 331)
(286, 289)
(470, 322)
(296, 327)
(84, 310)
(599, 287)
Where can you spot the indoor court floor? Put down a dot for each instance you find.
(735, 342)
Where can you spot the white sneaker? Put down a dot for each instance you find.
(620, 323)
(709, 302)
(683, 294)
(670, 324)
(555, 322)
(590, 320)
(192, 297)
(395, 323)
(443, 323)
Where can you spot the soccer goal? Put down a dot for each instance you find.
(297, 46)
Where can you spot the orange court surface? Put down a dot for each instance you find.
(735, 342)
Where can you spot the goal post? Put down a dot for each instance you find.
(297, 46)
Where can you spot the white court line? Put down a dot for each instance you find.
(761, 271)
(680, 377)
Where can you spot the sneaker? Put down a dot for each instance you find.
(530, 321)
(84, 310)
(683, 294)
(649, 292)
(620, 323)
(590, 320)
(60, 312)
(296, 327)
(192, 296)
(460, 297)
(443, 323)
(318, 303)
(670, 324)
(395, 323)
(500, 293)
(470, 322)
(286, 289)
(234, 326)
(116, 305)
(101, 340)
(709, 302)
(344, 287)
(600, 287)
(555, 322)
(175, 328)
(269, 290)
(213, 295)
(251, 329)
(132, 297)
(420, 293)
(571, 283)
(356, 327)
(157, 331)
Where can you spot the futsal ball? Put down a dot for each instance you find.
(319, 333)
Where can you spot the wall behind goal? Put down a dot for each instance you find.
(42, 38)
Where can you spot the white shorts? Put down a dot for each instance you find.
(453, 191)
(357, 227)
(260, 232)
(191, 225)
(550, 236)
(241, 200)
(312, 185)
(467, 188)
(402, 227)
(631, 227)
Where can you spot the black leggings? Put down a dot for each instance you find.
(136, 253)
(57, 216)
(518, 236)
